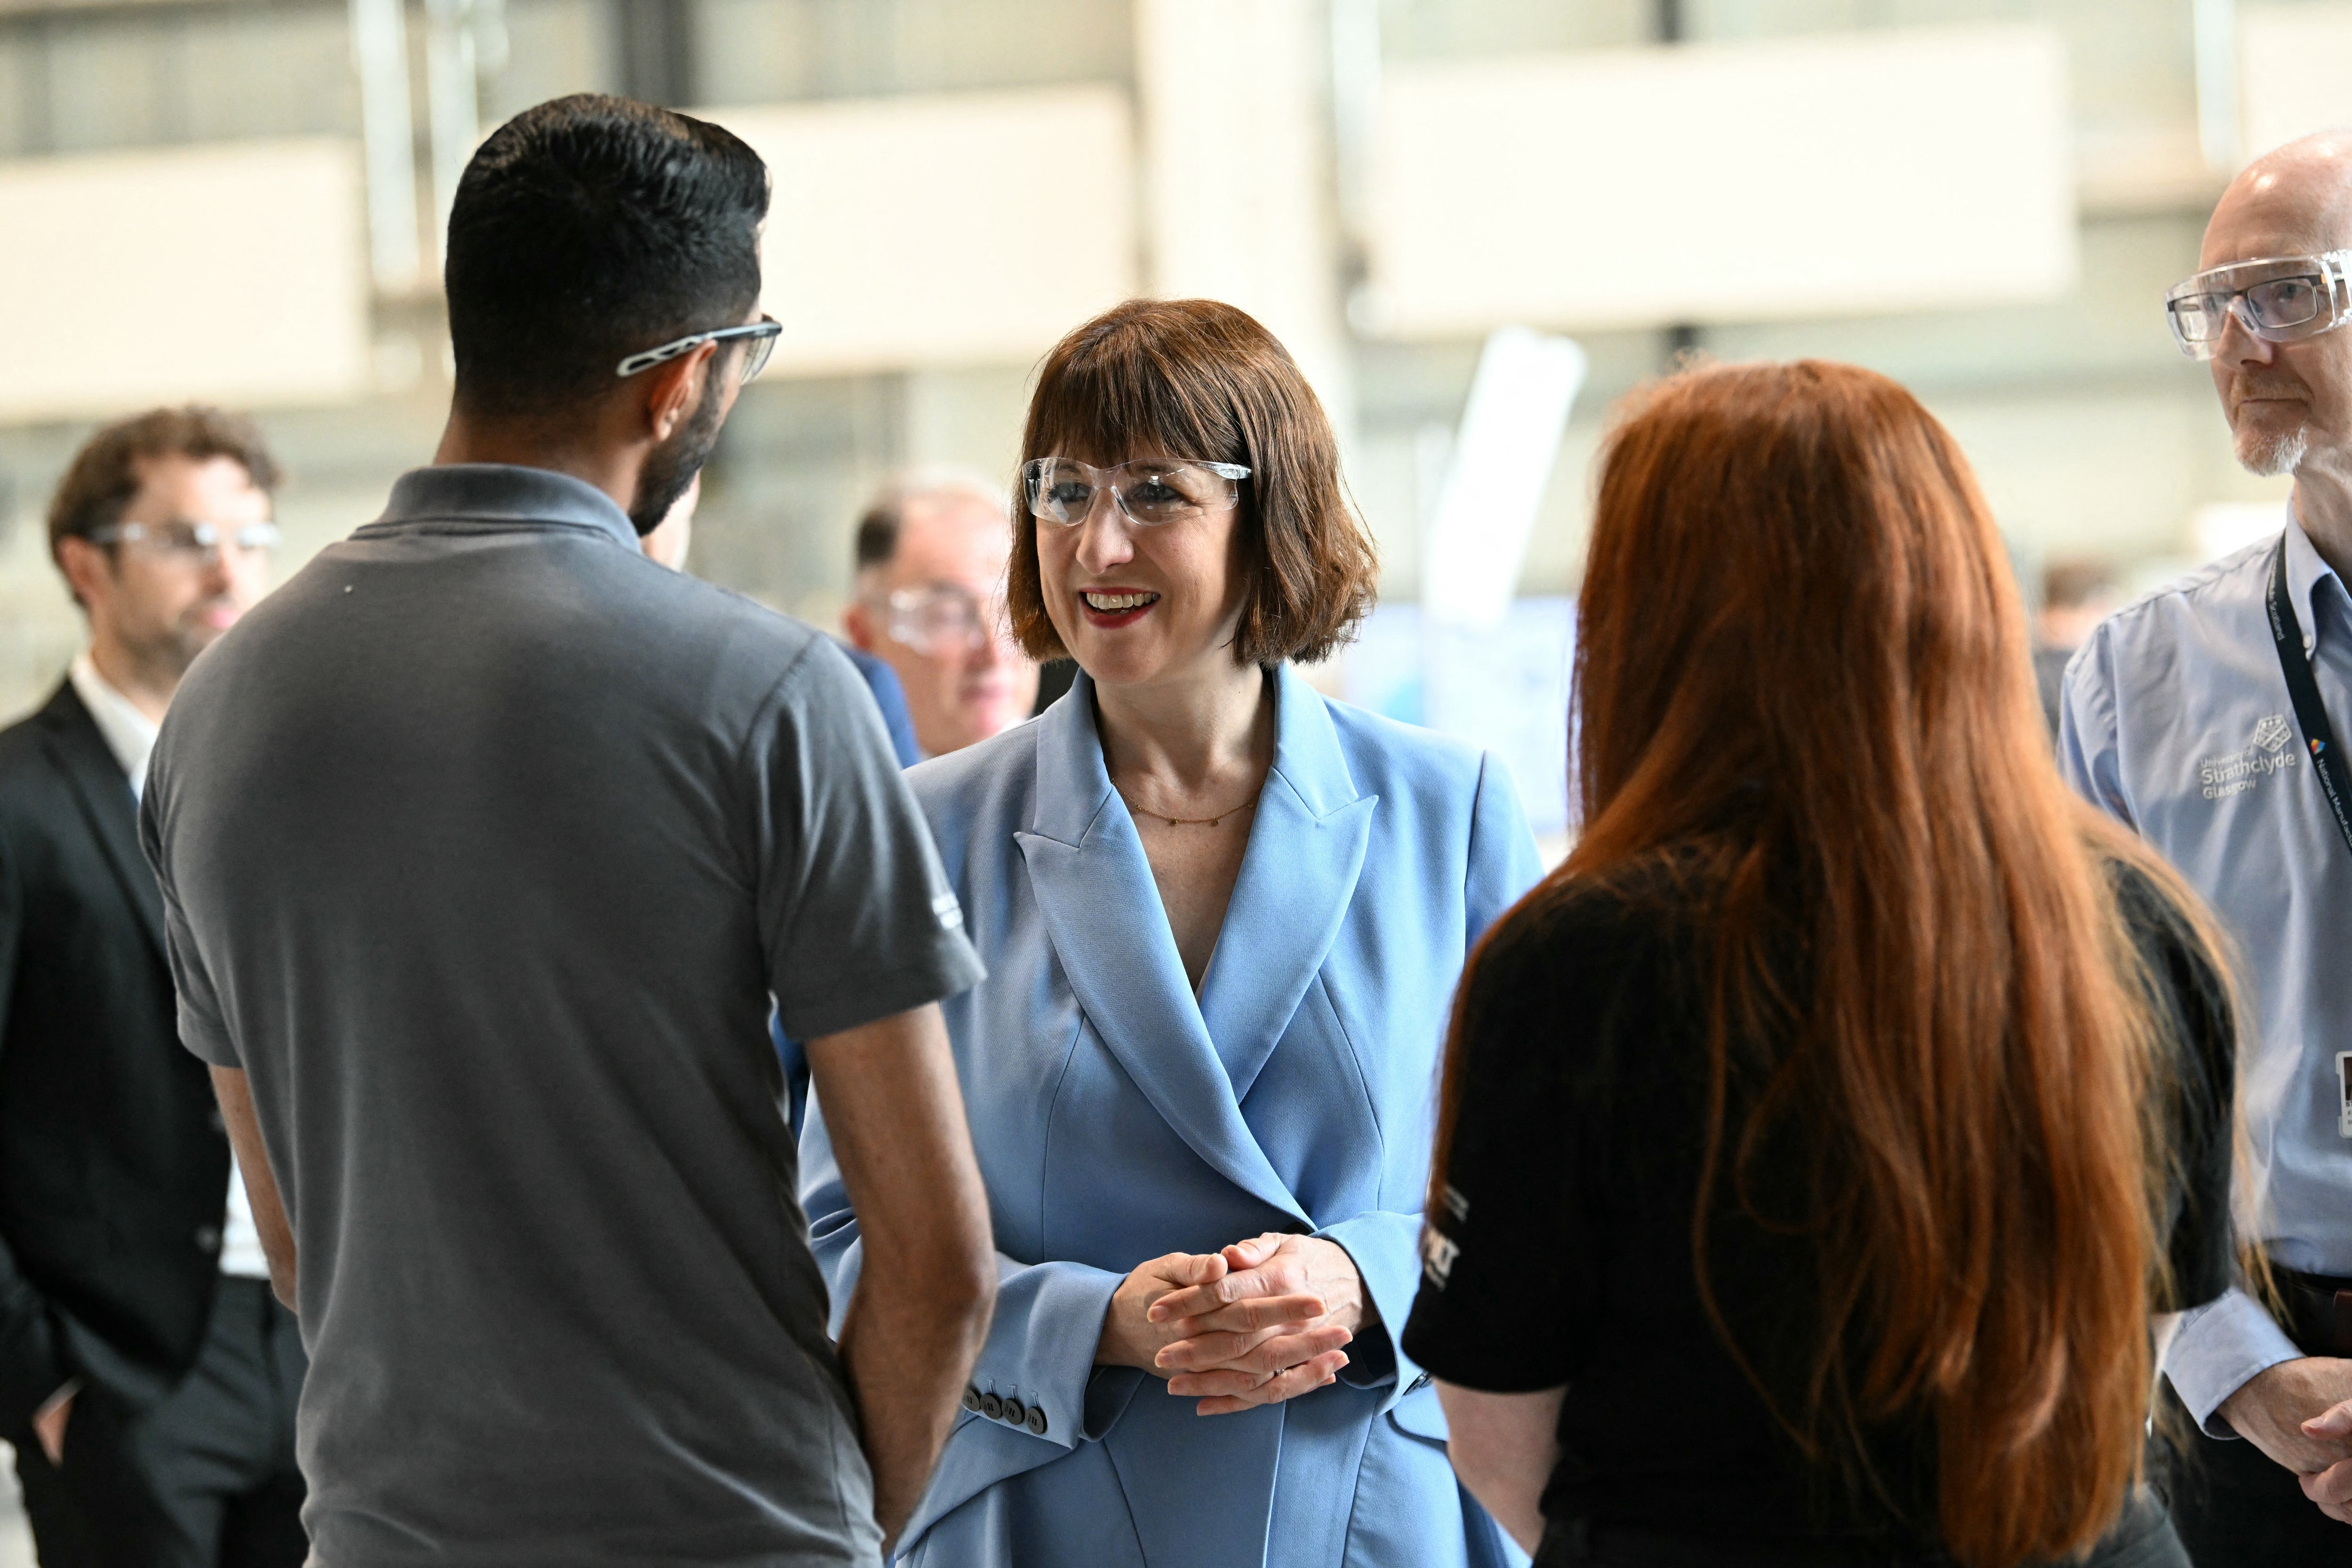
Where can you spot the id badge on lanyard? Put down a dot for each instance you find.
(2311, 714)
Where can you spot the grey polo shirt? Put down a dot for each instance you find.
(485, 842)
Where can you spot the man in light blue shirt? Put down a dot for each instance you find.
(2179, 720)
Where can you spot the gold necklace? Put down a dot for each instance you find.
(1189, 821)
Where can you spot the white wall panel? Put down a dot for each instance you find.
(2295, 73)
(1237, 171)
(963, 229)
(231, 273)
(1863, 172)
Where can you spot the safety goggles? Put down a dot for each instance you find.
(1149, 492)
(189, 541)
(2278, 299)
(941, 619)
(762, 333)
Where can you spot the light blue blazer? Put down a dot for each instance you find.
(1117, 1119)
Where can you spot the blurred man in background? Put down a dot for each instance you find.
(2077, 594)
(2204, 717)
(148, 1379)
(931, 552)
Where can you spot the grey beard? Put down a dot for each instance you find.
(2275, 455)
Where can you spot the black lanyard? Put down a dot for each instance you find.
(2310, 713)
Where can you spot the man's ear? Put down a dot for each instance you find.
(88, 571)
(858, 622)
(672, 387)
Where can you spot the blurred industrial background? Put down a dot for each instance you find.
(238, 200)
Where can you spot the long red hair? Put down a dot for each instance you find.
(1802, 661)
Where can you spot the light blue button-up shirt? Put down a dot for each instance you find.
(2176, 721)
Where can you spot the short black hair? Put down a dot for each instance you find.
(587, 229)
(877, 532)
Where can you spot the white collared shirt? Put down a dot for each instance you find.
(130, 736)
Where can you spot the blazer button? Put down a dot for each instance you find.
(1037, 1419)
(209, 1237)
(1016, 1412)
(992, 1407)
(971, 1396)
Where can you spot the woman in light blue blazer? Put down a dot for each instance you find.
(1223, 917)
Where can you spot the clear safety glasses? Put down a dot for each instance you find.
(2277, 299)
(762, 333)
(190, 542)
(1149, 492)
(942, 618)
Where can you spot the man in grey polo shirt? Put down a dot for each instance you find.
(483, 847)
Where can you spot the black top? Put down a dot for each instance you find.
(1564, 1256)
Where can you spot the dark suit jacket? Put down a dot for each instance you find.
(114, 1164)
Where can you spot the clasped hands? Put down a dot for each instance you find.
(1260, 1321)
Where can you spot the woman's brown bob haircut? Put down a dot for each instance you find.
(1193, 378)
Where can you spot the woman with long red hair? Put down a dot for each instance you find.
(1819, 1139)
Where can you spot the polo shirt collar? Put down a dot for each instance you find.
(495, 494)
(2306, 572)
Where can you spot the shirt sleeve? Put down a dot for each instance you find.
(2217, 1349)
(1503, 1306)
(2087, 746)
(202, 1029)
(855, 911)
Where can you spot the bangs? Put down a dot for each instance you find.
(1118, 397)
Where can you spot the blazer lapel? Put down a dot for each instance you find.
(109, 808)
(1102, 911)
(1305, 851)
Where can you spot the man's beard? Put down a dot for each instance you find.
(671, 467)
(2273, 455)
(164, 655)
(2263, 453)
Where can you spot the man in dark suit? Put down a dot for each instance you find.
(148, 1379)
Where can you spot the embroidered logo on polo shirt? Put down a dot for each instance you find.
(950, 913)
(2235, 773)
